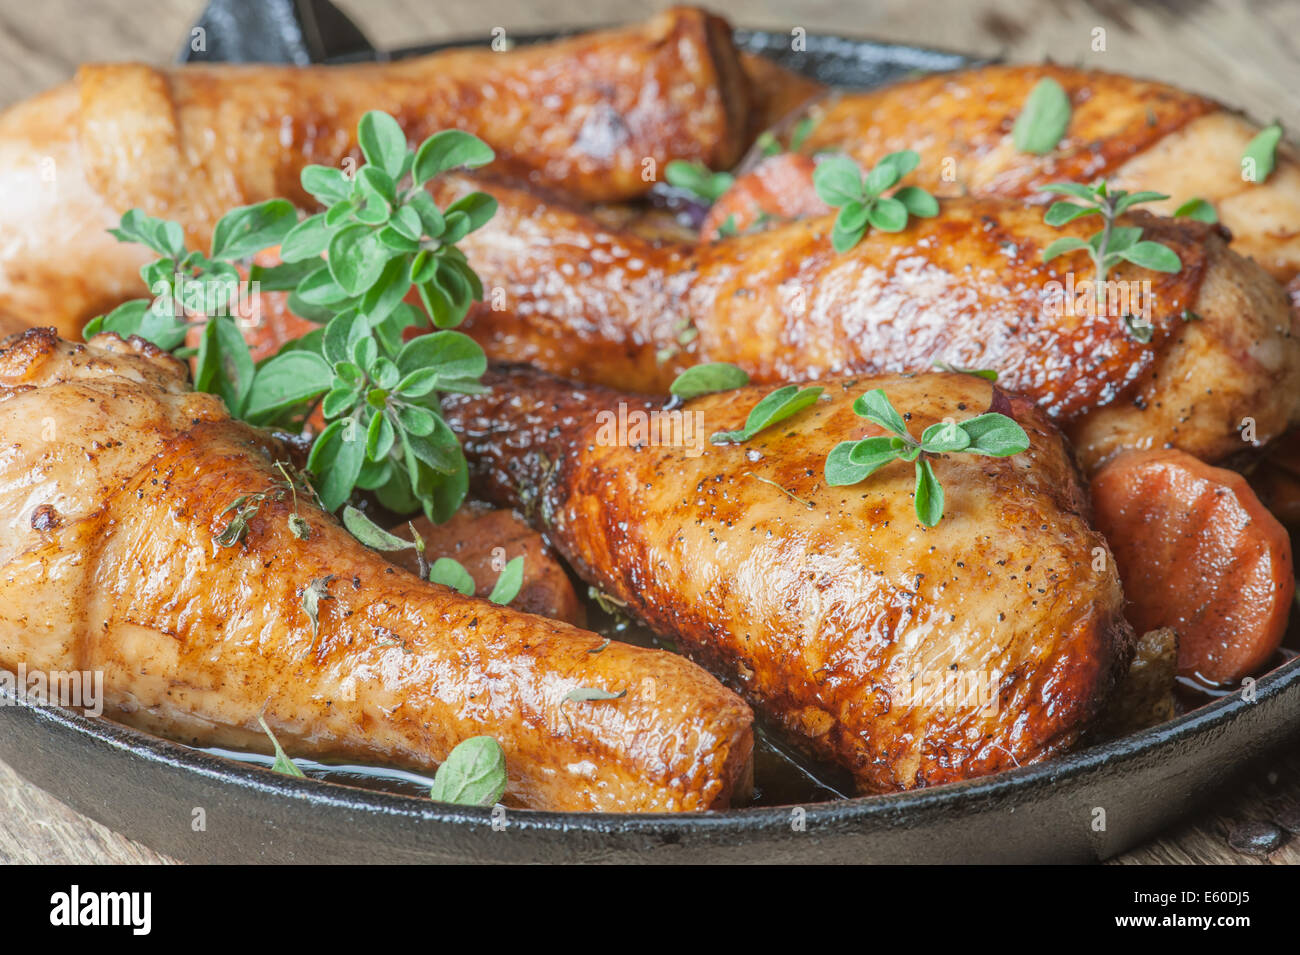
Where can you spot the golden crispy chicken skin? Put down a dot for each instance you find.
(967, 288)
(1137, 134)
(775, 93)
(482, 538)
(832, 609)
(114, 477)
(188, 143)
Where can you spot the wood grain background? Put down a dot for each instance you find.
(1246, 54)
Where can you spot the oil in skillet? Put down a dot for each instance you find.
(782, 776)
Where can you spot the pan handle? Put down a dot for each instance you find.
(300, 32)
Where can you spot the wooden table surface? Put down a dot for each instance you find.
(1246, 54)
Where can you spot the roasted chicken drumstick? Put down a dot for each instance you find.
(187, 143)
(832, 609)
(1135, 133)
(116, 482)
(967, 288)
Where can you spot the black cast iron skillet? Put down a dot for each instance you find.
(1084, 806)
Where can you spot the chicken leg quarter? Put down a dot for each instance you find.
(115, 481)
(909, 655)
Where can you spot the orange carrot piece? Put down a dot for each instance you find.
(1197, 552)
(780, 186)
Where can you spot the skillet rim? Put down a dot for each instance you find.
(909, 809)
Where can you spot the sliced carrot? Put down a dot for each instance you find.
(780, 186)
(1197, 552)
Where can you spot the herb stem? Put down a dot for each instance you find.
(1108, 219)
(784, 490)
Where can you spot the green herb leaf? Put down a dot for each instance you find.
(282, 764)
(995, 435)
(451, 573)
(224, 366)
(508, 584)
(319, 288)
(902, 162)
(1062, 246)
(882, 176)
(986, 373)
(336, 459)
(876, 408)
(853, 217)
(250, 229)
(285, 381)
(280, 278)
(928, 495)
(872, 454)
(944, 438)
(708, 378)
(802, 130)
(1258, 160)
(371, 534)
(382, 142)
(1125, 200)
(1060, 213)
(887, 215)
(1140, 331)
(775, 407)
(325, 183)
(839, 470)
(698, 179)
(1199, 209)
(449, 149)
(355, 259)
(473, 774)
(453, 355)
(478, 207)
(1076, 189)
(1043, 121)
(837, 180)
(918, 202)
(1122, 238)
(165, 238)
(315, 591)
(845, 236)
(1152, 255)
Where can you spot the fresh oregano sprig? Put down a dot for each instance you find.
(190, 288)
(1112, 243)
(861, 200)
(349, 269)
(850, 462)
